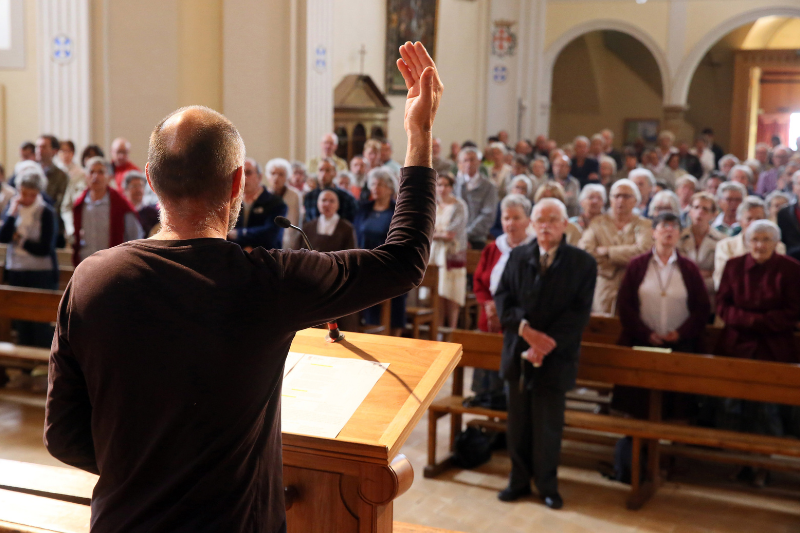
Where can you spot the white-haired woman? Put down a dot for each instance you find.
(613, 239)
(515, 212)
(592, 201)
(500, 172)
(646, 183)
(776, 200)
(664, 202)
(608, 171)
(744, 175)
(726, 163)
(277, 174)
(29, 228)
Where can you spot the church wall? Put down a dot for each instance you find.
(21, 105)
(200, 52)
(593, 89)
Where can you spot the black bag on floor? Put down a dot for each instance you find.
(473, 447)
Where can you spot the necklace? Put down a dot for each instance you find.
(658, 277)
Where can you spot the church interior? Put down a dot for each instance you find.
(663, 133)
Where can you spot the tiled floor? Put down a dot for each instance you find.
(700, 499)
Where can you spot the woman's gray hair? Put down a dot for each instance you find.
(742, 168)
(524, 179)
(381, 174)
(516, 200)
(92, 161)
(726, 158)
(608, 159)
(626, 182)
(543, 159)
(133, 175)
(297, 165)
(279, 163)
(750, 202)
(726, 186)
(636, 172)
(777, 194)
(499, 146)
(687, 178)
(470, 149)
(763, 226)
(344, 173)
(667, 196)
(32, 178)
(589, 188)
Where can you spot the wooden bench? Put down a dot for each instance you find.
(678, 372)
(428, 314)
(39, 498)
(471, 305)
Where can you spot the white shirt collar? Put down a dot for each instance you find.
(672, 259)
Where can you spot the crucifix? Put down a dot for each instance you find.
(362, 52)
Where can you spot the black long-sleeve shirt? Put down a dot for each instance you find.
(166, 367)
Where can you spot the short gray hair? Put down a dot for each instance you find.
(32, 178)
(552, 201)
(742, 168)
(589, 188)
(255, 164)
(96, 160)
(763, 226)
(607, 159)
(750, 202)
(686, 178)
(470, 149)
(381, 174)
(667, 196)
(631, 185)
(499, 146)
(726, 186)
(777, 194)
(344, 173)
(580, 138)
(728, 157)
(636, 172)
(523, 178)
(133, 175)
(516, 200)
(278, 163)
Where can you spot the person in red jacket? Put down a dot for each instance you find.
(662, 303)
(102, 216)
(515, 212)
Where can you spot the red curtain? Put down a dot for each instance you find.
(773, 124)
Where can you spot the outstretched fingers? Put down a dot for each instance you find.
(422, 55)
(407, 76)
(409, 55)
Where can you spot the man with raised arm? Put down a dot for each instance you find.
(166, 366)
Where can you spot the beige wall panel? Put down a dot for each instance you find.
(256, 75)
(21, 95)
(200, 53)
(651, 17)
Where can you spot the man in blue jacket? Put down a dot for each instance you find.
(256, 223)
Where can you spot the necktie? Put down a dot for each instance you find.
(544, 262)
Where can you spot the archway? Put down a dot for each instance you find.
(545, 79)
(747, 83)
(605, 79)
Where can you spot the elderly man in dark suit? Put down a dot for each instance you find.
(544, 300)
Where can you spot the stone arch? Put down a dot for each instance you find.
(552, 52)
(685, 74)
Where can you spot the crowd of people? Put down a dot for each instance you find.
(682, 235)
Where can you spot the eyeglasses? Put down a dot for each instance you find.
(622, 196)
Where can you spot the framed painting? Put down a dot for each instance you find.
(407, 20)
(641, 128)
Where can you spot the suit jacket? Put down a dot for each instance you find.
(790, 229)
(557, 303)
(261, 229)
(634, 331)
(343, 238)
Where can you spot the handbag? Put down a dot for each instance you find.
(453, 258)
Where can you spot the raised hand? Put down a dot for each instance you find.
(424, 94)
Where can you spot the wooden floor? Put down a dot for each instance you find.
(699, 498)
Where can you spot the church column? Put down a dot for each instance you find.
(319, 74)
(675, 121)
(64, 69)
(502, 92)
(534, 84)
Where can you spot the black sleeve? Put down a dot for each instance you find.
(568, 327)
(44, 246)
(322, 286)
(68, 412)
(266, 235)
(7, 230)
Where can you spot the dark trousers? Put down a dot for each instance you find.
(535, 426)
(33, 333)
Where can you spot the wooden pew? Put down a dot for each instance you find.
(678, 372)
(471, 305)
(429, 314)
(35, 305)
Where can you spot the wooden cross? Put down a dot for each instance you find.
(362, 52)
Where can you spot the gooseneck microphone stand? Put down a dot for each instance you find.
(333, 335)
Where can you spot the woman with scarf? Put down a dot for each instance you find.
(515, 212)
(29, 229)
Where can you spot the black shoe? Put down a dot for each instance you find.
(509, 495)
(553, 501)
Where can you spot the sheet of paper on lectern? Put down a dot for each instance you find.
(321, 393)
(292, 358)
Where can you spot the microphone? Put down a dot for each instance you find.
(334, 335)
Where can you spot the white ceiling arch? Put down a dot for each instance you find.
(683, 78)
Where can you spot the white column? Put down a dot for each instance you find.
(676, 40)
(502, 91)
(64, 69)
(534, 81)
(319, 73)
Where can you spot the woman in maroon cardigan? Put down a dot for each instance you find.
(662, 303)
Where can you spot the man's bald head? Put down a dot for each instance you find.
(193, 153)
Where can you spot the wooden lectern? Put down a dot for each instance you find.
(347, 484)
(341, 485)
